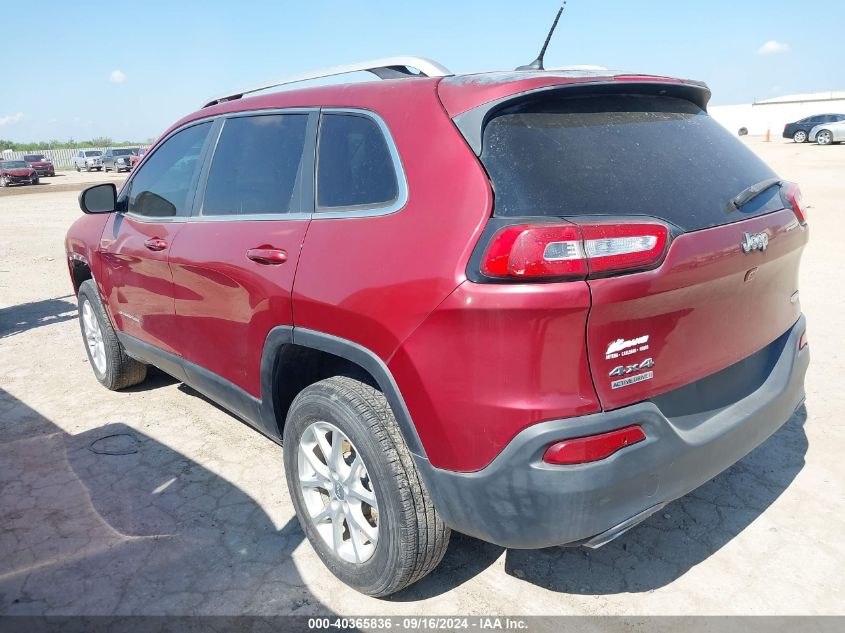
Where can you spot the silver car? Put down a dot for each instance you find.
(88, 159)
(828, 133)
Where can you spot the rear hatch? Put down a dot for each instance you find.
(705, 301)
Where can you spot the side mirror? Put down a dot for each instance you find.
(99, 199)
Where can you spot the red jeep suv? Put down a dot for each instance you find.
(534, 307)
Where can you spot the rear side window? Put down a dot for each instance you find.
(162, 186)
(257, 166)
(621, 155)
(355, 167)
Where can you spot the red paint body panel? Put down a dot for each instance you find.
(698, 310)
(373, 280)
(82, 243)
(225, 303)
(464, 92)
(135, 282)
(492, 360)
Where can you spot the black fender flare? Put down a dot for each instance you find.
(343, 348)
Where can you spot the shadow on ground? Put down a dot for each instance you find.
(658, 551)
(111, 521)
(27, 316)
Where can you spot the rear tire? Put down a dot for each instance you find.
(405, 539)
(109, 361)
(800, 136)
(824, 137)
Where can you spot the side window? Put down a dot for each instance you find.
(257, 166)
(355, 168)
(161, 188)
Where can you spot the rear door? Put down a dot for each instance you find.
(135, 245)
(622, 159)
(234, 262)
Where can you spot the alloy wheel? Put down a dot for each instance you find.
(824, 137)
(338, 493)
(93, 337)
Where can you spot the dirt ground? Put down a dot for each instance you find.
(64, 181)
(155, 501)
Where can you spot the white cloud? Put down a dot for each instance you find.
(772, 47)
(11, 119)
(117, 77)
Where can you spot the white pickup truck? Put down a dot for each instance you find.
(88, 159)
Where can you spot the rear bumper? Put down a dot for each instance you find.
(521, 502)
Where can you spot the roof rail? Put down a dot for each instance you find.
(384, 68)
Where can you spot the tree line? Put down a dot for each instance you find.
(99, 141)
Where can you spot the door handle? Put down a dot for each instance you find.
(155, 244)
(267, 256)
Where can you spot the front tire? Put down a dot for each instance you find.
(112, 366)
(800, 136)
(357, 492)
(824, 137)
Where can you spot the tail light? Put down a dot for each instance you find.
(574, 250)
(791, 193)
(593, 447)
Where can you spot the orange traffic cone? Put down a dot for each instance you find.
(768, 136)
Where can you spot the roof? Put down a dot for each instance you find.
(457, 93)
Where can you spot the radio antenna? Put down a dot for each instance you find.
(537, 64)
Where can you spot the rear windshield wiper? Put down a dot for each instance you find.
(749, 193)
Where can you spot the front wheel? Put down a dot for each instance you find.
(800, 136)
(357, 492)
(824, 137)
(112, 366)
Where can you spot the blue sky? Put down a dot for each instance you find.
(59, 59)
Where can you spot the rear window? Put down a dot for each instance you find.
(257, 166)
(355, 168)
(33, 158)
(621, 155)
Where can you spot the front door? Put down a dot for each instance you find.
(238, 253)
(136, 280)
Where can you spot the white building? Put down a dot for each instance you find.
(773, 114)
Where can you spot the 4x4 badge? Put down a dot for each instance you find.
(624, 370)
(754, 242)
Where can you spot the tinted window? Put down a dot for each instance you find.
(257, 166)
(33, 158)
(355, 167)
(620, 155)
(161, 187)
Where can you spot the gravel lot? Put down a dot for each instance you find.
(65, 181)
(193, 517)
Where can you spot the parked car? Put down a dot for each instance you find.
(136, 158)
(17, 172)
(547, 365)
(117, 159)
(799, 131)
(42, 166)
(828, 133)
(88, 159)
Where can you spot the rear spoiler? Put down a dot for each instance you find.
(471, 123)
